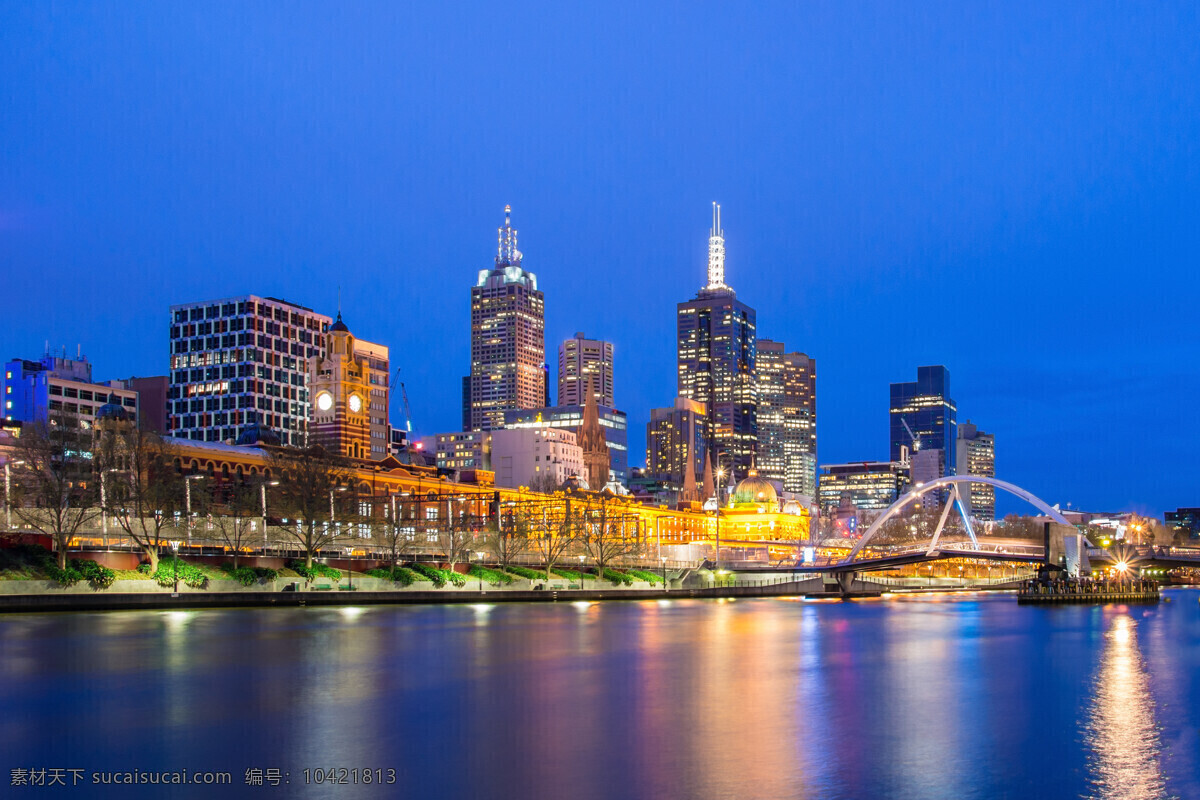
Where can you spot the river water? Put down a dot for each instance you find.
(953, 696)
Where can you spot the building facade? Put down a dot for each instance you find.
(676, 441)
(716, 353)
(975, 454)
(242, 361)
(461, 450)
(34, 391)
(348, 381)
(584, 363)
(570, 418)
(508, 343)
(541, 457)
(787, 418)
(922, 415)
(867, 485)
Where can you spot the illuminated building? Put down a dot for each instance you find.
(242, 361)
(868, 485)
(716, 352)
(33, 390)
(787, 418)
(592, 444)
(756, 519)
(676, 440)
(975, 454)
(508, 346)
(1186, 520)
(462, 450)
(922, 415)
(614, 422)
(584, 362)
(349, 386)
(541, 457)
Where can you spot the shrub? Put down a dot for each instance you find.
(525, 572)
(243, 575)
(440, 577)
(99, 577)
(617, 578)
(316, 571)
(572, 575)
(379, 572)
(402, 575)
(144, 569)
(493, 577)
(266, 573)
(65, 577)
(645, 575)
(187, 574)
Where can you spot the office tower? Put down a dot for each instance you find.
(867, 485)
(240, 362)
(975, 454)
(542, 458)
(61, 387)
(584, 362)
(676, 441)
(716, 361)
(922, 415)
(787, 418)
(349, 385)
(508, 347)
(614, 422)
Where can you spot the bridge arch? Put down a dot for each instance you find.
(953, 481)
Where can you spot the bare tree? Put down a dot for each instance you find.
(544, 482)
(510, 538)
(235, 518)
(395, 534)
(605, 535)
(557, 535)
(145, 492)
(54, 491)
(310, 488)
(457, 531)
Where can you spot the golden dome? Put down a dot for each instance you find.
(753, 489)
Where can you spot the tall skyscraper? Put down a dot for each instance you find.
(584, 362)
(976, 455)
(716, 358)
(242, 361)
(349, 385)
(922, 415)
(787, 418)
(508, 343)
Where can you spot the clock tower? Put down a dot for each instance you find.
(349, 390)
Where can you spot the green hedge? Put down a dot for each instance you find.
(645, 575)
(525, 572)
(97, 576)
(248, 576)
(169, 569)
(494, 577)
(440, 577)
(401, 575)
(617, 578)
(572, 575)
(316, 571)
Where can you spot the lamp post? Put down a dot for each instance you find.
(263, 487)
(175, 566)
(663, 563)
(8, 492)
(720, 478)
(480, 571)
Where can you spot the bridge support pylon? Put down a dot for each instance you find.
(845, 581)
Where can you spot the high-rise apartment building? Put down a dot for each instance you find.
(508, 344)
(349, 385)
(716, 357)
(676, 440)
(242, 361)
(787, 418)
(614, 422)
(975, 454)
(585, 364)
(922, 415)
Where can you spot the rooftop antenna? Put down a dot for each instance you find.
(716, 251)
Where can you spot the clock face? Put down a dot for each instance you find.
(324, 401)
(355, 403)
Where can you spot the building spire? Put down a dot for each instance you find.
(507, 253)
(716, 251)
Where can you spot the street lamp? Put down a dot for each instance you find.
(264, 510)
(663, 562)
(480, 554)
(8, 492)
(720, 477)
(175, 566)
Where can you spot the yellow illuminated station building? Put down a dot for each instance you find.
(349, 388)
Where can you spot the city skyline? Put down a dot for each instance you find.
(886, 222)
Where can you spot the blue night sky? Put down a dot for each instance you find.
(1009, 189)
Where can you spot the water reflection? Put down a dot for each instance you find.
(1121, 732)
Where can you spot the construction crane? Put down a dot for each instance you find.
(404, 397)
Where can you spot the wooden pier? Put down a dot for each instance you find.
(1045, 592)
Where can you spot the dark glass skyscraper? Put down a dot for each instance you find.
(923, 417)
(716, 351)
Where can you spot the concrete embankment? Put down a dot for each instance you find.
(104, 601)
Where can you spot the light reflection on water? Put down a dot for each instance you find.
(955, 697)
(1121, 731)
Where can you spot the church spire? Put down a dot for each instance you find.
(507, 254)
(716, 252)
